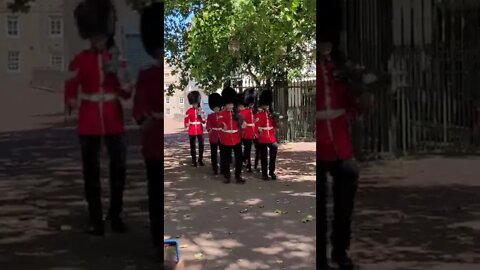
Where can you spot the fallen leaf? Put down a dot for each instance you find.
(243, 211)
(280, 212)
(184, 246)
(261, 206)
(309, 218)
(198, 256)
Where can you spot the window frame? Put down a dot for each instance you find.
(8, 63)
(61, 66)
(52, 19)
(7, 26)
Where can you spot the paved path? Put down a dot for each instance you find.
(235, 226)
(42, 209)
(411, 214)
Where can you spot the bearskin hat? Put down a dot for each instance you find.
(330, 21)
(229, 95)
(250, 96)
(214, 100)
(241, 98)
(266, 98)
(151, 28)
(194, 97)
(95, 17)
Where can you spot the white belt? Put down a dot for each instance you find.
(330, 114)
(217, 129)
(250, 125)
(230, 131)
(157, 115)
(195, 123)
(265, 128)
(98, 97)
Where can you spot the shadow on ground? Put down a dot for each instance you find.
(230, 226)
(42, 207)
(422, 214)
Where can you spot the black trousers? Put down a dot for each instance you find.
(90, 148)
(155, 197)
(193, 150)
(263, 149)
(257, 153)
(345, 176)
(247, 152)
(226, 159)
(214, 156)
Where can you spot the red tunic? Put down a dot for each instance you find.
(193, 120)
(100, 111)
(249, 131)
(335, 106)
(265, 127)
(230, 134)
(213, 128)
(148, 107)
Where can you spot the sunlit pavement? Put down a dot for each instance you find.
(411, 213)
(229, 226)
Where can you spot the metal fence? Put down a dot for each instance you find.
(431, 50)
(295, 101)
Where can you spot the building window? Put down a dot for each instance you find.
(56, 26)
(167, 99)
(13, 61)
(182, 100)
(168, 111)
(13, 26)
(56, 62)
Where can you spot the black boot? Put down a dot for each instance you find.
(265, 178)
(342, 259)
(249, 168)
(201, 163)
(194, 164)
(118, 226)
(273, 176)
(239, 179)
(227, 179)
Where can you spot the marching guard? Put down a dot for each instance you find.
(337, 104)
(194, 122)
(100, 119)
(230, 121)
(148, 113)
(215, 103)
(248, 133)
(265, 126)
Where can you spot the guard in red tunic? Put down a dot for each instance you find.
(230, 137)
(97, 88)
(265, 127)
(215, 103)
(148, 112)
(194, 122)
(336, 106)
(248, 132)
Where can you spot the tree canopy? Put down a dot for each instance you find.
(270, 39)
